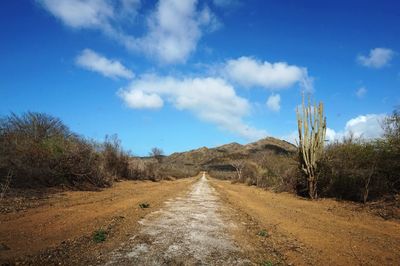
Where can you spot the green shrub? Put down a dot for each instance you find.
(144, 205)
(263, 233)
(99, 236)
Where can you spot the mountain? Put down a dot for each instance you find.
(219, 158)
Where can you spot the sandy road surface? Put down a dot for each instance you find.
(191, 230)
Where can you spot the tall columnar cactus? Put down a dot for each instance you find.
(312, 131)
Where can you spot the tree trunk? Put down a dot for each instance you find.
(366, 184)
(312, 189)
(239, 174)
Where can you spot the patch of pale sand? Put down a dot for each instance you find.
(189, 230)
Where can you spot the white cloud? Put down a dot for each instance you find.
(93, 61)
(210, 99)
(173, 29)
(360, 93)
(81, 13)
(274, 102)
(377, 58)
(331, 135)
(365, 126)
(138, 99)
(250, 72)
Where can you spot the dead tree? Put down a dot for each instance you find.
(239, 166)
(312, 131)
(157, 154)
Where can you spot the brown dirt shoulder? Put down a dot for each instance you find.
(60, 228)
(323, 232)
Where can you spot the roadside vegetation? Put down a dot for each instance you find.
(39, 151)
(362, 170)
(352, 168)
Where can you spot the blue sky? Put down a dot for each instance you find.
(180, 74)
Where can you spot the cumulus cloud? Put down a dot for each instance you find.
(210, 99)
(377, 58)
(138, 99)
(360, 93)
(81, 13)
(274, 102)
(95, 62)
(173, 28)
(363, 126)
(249, 72)
(332, 135)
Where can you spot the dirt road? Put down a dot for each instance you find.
(196, 221)
(191, 230)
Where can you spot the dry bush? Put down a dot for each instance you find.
(41, 151)
(250, 173)
(157, 154)
(138, 169)
(146, 169)
(223, 175)
(239, 165)
(116, 160)
(279, 172)
(267, 169)
(389, 157)
(348, 170)
(360, 170)
(154, 171)
(179, 172)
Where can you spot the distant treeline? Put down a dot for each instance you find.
(39, 150)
